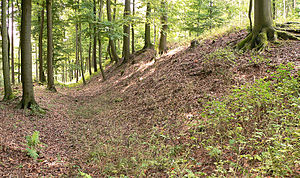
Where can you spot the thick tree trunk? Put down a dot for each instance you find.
(26, 56)
(50, 75)
(263, 30)
(163, 32)
(12, 45)
(126, 30)
(112, 45)
(42, 77)
(6, 75)
(147, 28)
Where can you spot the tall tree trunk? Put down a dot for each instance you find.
(147, 28)
(36, 64)
(41, 18)
(8, 36)
(81, 56)
(50, 75)
(26, 56)
(12, 45)
(89, 58)
(6, 75)
(19, 63)
(126, 31)
(249, 14)
(76, 44)
(113, 50)
(99, 41)
(163, 32)
(76, 53)
(132, 28)
(94, 56)
(263, 30)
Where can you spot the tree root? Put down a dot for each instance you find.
(258, 40)
(27, 103)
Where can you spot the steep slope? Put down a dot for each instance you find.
(136, 123)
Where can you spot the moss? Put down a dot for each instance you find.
(259, 40)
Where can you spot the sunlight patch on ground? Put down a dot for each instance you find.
(174, 51)
(145, 65)
(147, 75)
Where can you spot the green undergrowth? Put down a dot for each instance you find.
(254, 131)
(88, 77)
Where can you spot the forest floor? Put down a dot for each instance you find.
(137, 122)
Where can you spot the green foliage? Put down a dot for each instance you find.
(84, 175)
(33, 145)
(257, 123)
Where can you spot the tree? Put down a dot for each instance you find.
(263, 30)
(26, 56)
(94, 56)
(163, 32)
(12, 45)
(6, 75)
(41, 18)
(112, 45)
(132, 28)
(126, 30)
(50, 75)
(147, 28)
(99, 40)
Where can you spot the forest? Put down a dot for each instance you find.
(150, 88)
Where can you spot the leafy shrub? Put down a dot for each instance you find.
(258, 124)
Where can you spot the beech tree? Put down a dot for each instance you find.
(41, 18)
(263, 30)
(163, 32)
(5, 50)
(50, 75)
(112, 46)
(126, 30)
(26, 56)
(148, 28)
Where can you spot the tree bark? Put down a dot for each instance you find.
(94, 56)
(126, 31)
(6, 75)
(89, 57)
(12, 45)
(147, 28)
(132, 28)
(50, 75)
(100, 43)
(41, 18)
(81, 58)
(263, 30)
(113, 50)
(26, 56)
(249, 14)
(163, 32)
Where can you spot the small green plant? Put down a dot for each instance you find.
(85, 175)
(33, 145)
